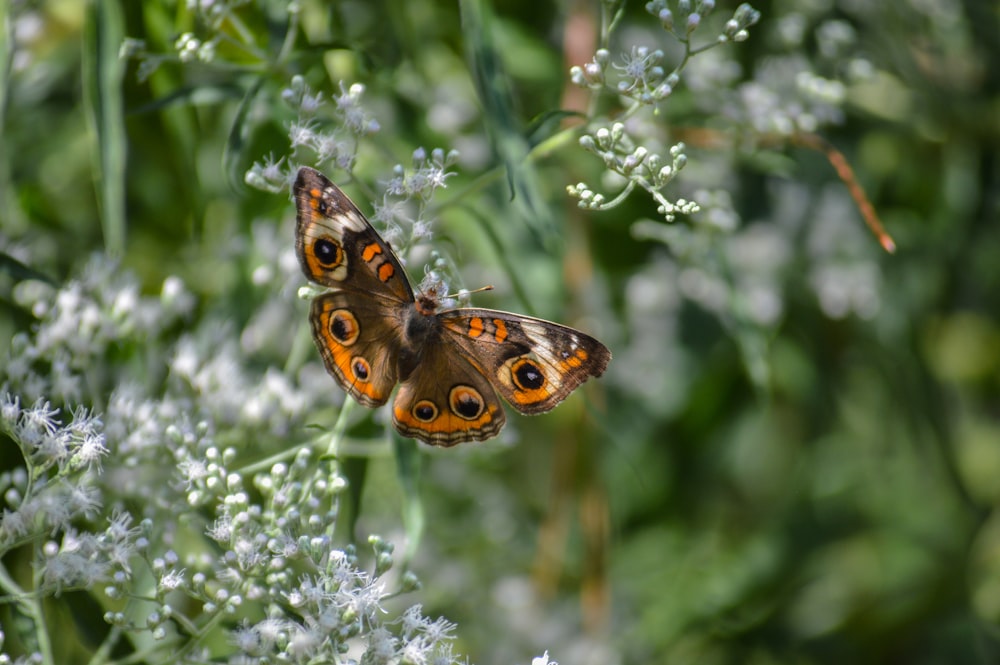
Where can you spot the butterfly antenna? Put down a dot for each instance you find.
(463, 293)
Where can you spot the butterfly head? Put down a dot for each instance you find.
(427, 303)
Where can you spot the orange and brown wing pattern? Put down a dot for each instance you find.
(534, 364)
(447, 400)
(359, 342)
(336, 245)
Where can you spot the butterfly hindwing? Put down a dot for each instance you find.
(447, 400)
(359, 343)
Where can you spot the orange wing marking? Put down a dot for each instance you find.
(475, 327)
(386, 271)
(574, 360)
(370, 251)
(501, 330)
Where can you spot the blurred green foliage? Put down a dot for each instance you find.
(800, 468)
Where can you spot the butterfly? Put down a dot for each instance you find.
(374, 332)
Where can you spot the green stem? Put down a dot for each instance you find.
(268, 462)
(207, 629)
(144, 655)
(109, 642)
(13, 589)
(31, 605)
(607, 205)
(337, 434)
(290, 34)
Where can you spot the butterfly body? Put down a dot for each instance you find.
(373, 332)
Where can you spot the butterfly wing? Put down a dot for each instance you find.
(534, 364)
(359, 343)
(357, 326)
(447, 399)
(338, 248)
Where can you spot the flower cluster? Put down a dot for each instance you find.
(685, 18)
(785, 98)
(61, 459)
(218, 22)
(275, 551)
(642, 79)
(78, 324)
(417, 184)
(733, 271)
(638, 166)
(191, 48)
(402, 214)
(641, 76)
(328, 129)
(332, 138)
(217, 536)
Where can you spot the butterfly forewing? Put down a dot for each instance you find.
(337, 247)
(533, 363)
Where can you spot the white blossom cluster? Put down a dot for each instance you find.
(156, 506)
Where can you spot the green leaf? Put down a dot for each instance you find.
(408, 467)
(546, 125)
(506, 135)
(102, 88)
(20, 271)
(232, 158)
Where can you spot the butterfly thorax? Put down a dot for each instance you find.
(421, 330)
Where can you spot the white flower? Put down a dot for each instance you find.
(302, 643)
(171, 580)
(543, 660)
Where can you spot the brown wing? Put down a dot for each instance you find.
(534, 364)
(447, 400)
(356, 327)
(336, 245)
(359, 340)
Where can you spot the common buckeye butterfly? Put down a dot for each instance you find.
(373, 332)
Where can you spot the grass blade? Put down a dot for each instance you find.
(103, 103)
